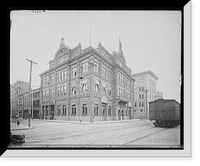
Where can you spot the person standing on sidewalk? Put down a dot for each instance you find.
(17, 120)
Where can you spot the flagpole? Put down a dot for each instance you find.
(90, 34)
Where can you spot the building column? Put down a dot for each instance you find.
(106, 111)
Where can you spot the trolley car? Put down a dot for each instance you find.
(164, 113)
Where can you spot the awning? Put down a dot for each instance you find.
(104, 99)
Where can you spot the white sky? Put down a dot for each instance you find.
(150, 41)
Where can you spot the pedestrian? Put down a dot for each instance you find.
(17, 122)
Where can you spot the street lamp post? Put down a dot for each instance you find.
(80, 78)
(133, 99)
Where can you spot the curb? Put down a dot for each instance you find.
(24, 128)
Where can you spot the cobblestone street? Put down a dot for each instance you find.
(135, 133)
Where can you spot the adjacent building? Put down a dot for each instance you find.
(87, 85)
(15, 101)
(20, 100)
(144, 92)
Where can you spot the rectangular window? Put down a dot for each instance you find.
(52, 79)
(43, 94)
(73, 110)
(73, 89)
(139, 104)
(74, 72)
(96, 109)
(84, 110)
(64, 110)
(126, 82)
(110, 74)
(121, 92)
(84, 86)
(85, 67)
(58, 76)
(64, 89)
(103, 88)
(118, 91)
(96, 67)
(47, 81)
(142, 104)
(61, 90)
(96, 85)
(103, 71)
(109, 92)
(109, 111)
(65, 74)
(61, 78)
(47, 93)
(135, 104)
(52, 93)
(58, 91)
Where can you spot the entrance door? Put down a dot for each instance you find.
(52, 112)
(119, 115)
(103, 112)
(129, 112)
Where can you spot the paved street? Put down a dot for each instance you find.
(134, 133)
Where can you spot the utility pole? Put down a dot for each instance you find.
(146, 104)
(30, 99)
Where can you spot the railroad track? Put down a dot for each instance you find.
(142, 137)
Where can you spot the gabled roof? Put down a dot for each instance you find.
(61, 49)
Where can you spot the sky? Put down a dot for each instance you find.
(151, 40)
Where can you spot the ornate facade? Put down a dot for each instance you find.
(87, 85)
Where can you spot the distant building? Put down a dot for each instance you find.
(24, 104)
(159, 95)
(87, 85)
(15, 91)
(144, 92)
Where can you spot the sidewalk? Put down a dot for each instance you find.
(13, 126)
(100, 122)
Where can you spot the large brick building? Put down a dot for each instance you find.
(87, 85)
